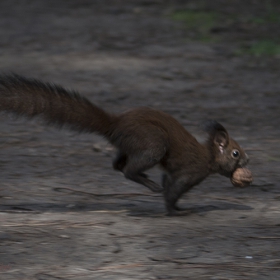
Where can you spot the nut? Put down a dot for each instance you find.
(241, 177)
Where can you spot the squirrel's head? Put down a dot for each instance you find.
(228, 155)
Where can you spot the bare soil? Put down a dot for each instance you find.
(64, 212)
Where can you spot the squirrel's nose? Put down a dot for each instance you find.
(247, 158)
(244, 161)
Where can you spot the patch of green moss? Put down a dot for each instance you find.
(196, 19)
(200, 22)
(269, 18)
(261, 48)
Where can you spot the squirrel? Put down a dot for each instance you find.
(143, 137)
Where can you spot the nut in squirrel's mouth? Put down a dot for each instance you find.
(242, 177)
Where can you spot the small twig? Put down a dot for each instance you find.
(58, 223)
(209, 265)
(106, 268)
(60, 189)
(21, 211)
(264, 237)
(224, 198)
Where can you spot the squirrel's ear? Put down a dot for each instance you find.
(217, 134)
(221, 140)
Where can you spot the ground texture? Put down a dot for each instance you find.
(64, 212)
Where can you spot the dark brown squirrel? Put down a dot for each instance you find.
(143, 137)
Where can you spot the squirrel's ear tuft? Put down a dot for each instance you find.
(217, 133)
(211, 126)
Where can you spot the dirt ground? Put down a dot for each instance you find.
(64, 212)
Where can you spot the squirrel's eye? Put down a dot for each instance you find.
(235, 153)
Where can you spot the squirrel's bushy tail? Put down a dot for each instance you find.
(54, 104)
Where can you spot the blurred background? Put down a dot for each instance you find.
(196, 60)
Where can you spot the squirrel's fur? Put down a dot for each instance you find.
(143, 137)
